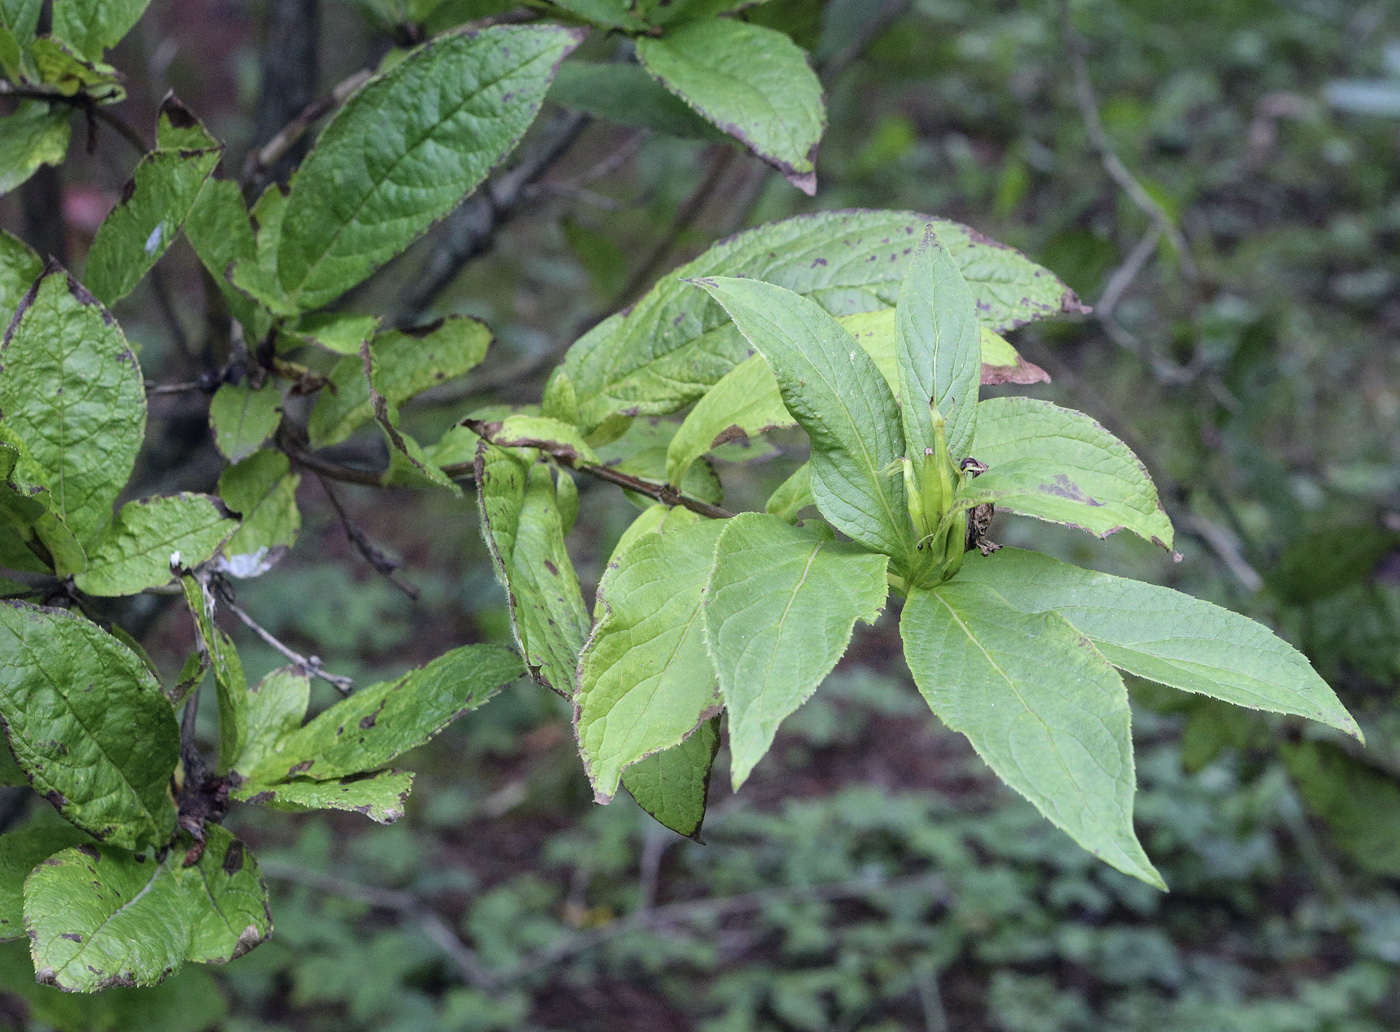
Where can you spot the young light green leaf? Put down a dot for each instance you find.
(645, 679)
(674, 784)
(674, 343)
(780, 607)
(409, 465)
(1002, 363)
(34, 134)
(93, 26)
(72, 389)
(380, 796)
(751, 81)
(1040, 705)
(263, 491)
(68, 682)
(1058, 464)
(19, 267)
(641, 452)
(523, 527)
(1166, 636)
(135, 552)
(243, 417)
(70, 74)
(276, 707)
(624, 93)
(99, 916)
(405, 149)
(407, 362)
(371, 727)
(833, 390)
(20, 850)
(154, 204)
(256, 277)
(342, 333)
(21, 18)
(218, 650)
(745, 402)
(551, 436)
(793, 495)
(938, 345)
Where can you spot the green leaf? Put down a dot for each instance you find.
(243, 417)
(71, 74)
(554, 437)
(407, 363)
(793, 495)
(154, 204)
(938, 350)
(276, 707)
(1002, 363)
(263, 491)
(780, 607)
(27, 508)
(1059, 465)
(663, 12)
(229, 680)
(380, 796)
(98, 916)
(405, 149)
(219, 230)
(645, 679)
(1359, 804)
(642, 452)
(342, 333)
(69, 684)
(21, 18)
(752, 82)
(34, 134)
(377, 723)
(613, 14)
(745, 402)
(1165, 635)
(72, 389)
(93, 26)
(137, 550)
(1040, 705)
(20, 849)
(523, 527)
(833, 390)
(624, 93)
(674, 784)
(675, 343)
(19, 267)
(257, 278)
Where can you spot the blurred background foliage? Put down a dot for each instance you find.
(870, 876)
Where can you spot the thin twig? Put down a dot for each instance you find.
(663, 493)
(311, 664)
(1124, 275)
(382, 563)
(403, 903)
(82, 102)
(1113, 165)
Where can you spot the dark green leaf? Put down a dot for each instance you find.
(34, 134)
(380, 796)
(750, 81)
(20, 849)
(624, 93)
(93, 26)
(88, 723)
(72, 389)
(674, 784)
(406, 148)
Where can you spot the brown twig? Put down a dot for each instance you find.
(383, 564)
(664, 493)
